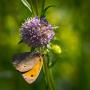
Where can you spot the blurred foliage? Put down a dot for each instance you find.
(72, 51)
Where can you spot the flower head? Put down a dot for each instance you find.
(36, 32)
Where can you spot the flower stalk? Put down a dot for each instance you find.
(48, 75)
(37, 33)
(37, 7)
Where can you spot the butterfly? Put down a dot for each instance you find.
(29, 65)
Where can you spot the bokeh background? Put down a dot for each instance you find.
(72, 69)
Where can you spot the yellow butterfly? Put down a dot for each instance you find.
(29, 64)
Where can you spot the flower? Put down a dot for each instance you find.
(36, 32)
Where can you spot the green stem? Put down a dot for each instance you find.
(43, 86)
(42, 8)
(48, 75)
(37, 7)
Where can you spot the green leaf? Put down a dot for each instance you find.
(20, 41)
(44, 11)
(27, 4)
(48, 7)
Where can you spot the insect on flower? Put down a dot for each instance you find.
(36, 33)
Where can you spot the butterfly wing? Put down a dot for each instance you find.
(31, 75)
(25, 61)
(29, 64)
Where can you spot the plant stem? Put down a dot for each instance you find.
(37, 7)
(48, 75)
(42, 7)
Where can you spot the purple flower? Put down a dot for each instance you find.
(36, 32)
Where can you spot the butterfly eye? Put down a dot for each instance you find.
(31, 75)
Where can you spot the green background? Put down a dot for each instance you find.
(72, 69)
